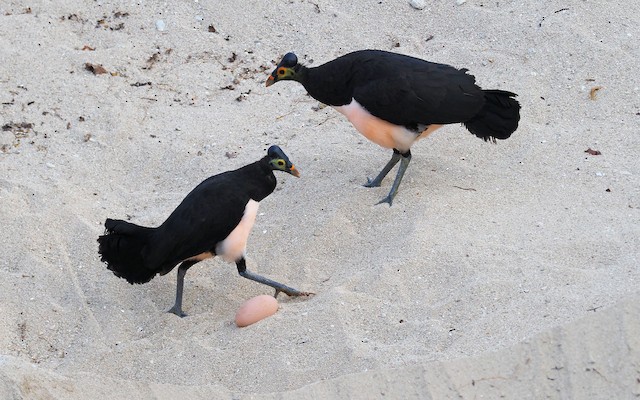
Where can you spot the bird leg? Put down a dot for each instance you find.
(182, 271)
(404, 163)
(378, 179)
(279, 287)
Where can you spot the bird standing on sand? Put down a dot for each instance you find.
(394, 100)
(214, 219)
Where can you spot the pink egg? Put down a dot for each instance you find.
(256, 309)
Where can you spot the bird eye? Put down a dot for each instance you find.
(280, 71)
(280, 163)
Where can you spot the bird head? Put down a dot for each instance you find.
(287, 69)
(279, 161)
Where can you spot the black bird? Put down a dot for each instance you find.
(214, 219)
(394, 100)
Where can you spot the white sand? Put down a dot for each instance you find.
(526, 286)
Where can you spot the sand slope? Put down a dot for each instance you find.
(595, 357)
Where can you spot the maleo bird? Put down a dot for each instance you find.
(394, 100)
(214, 219)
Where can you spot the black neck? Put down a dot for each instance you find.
(326, 84)
(260, 178)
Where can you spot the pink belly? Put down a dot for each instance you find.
(233, 247)
(381, 132)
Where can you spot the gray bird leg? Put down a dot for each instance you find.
(182, 271)
(279, 287)
(404, 163)
(378, 179)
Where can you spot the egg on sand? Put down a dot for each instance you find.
(256, 309)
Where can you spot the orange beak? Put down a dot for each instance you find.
(293, 171)
(270, 81)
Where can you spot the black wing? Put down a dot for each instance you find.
(409, 91)
(205, 217)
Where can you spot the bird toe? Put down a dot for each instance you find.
(371, 183)
(177, 312)
(386, 199)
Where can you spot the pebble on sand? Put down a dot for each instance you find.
(418, 4)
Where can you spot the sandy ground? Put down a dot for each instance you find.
(508, 269)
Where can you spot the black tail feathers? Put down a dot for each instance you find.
(122, 248)
(499, 117)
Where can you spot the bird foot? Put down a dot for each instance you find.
(177, 311)
(386, 199)
(372, 183)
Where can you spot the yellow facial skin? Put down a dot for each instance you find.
(279, 74)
